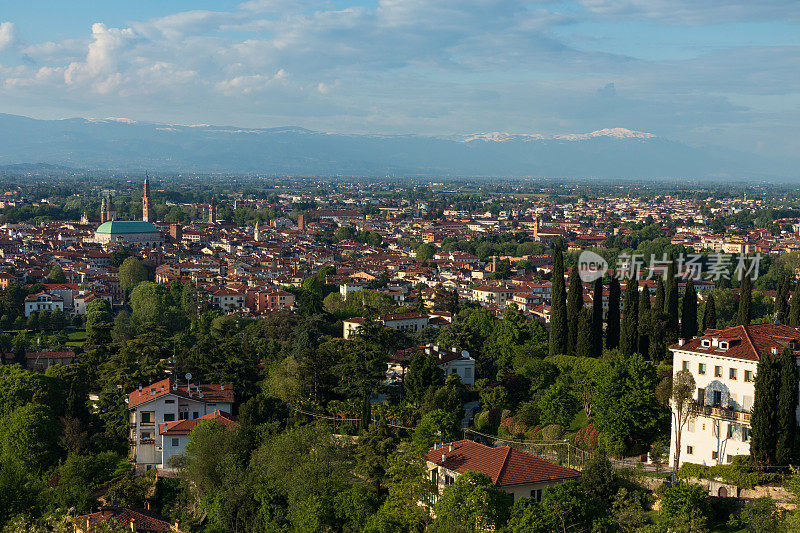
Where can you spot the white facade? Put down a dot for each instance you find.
(42, 302)
(146, 444)
(720, 428)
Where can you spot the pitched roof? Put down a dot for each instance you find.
(184, 427)
(220, 392)
(503, 464)
(744, 342)
(142, 520)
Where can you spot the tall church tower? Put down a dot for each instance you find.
(212, 212)
(147, 204)
(103, 211)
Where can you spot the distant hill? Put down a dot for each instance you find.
(121, 144)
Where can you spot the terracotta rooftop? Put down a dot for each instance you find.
(184, 427)
(503, 464)
(744, 342)
(140, 521)
(221, 392)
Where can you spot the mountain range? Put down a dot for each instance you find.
(126, 145)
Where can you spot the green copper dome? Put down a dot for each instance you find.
(115, 227)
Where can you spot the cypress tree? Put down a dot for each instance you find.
(710, 314)
(597, 318)
(584, 337)
(612, 325)
(644, 322)
(658, 324)
(574, 308)
(787, 409)
(630, 318)
(794, 308)
(782, 299)
(689, 311)
(558, 306)
(765, 405)
(745, 300)
(671, 305)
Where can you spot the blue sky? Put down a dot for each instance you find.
(720, 72)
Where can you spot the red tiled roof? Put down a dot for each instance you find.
(744, 342)
(123, 516)
(504, 465)
(222, 392)
(184, 427)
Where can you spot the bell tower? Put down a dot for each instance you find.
(147, 205)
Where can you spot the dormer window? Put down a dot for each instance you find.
(723, 345)
(705, 343)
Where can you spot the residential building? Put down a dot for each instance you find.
(723, 363)
(42, 301)
(175, 435)
(513, 471)
(168, 401)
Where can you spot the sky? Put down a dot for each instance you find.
(711, 72)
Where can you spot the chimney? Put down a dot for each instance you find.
(133, 525)
(450, 449)
(177, 524)
(444, 457)
(681, 342)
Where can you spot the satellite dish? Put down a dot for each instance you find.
(188, 376)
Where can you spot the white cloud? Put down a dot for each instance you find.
(8, 35)
(245, 85)
(102, 59)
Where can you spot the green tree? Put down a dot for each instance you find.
(630, 319)
(363, 368)
(644, 324)
(762, 515)
(782, 298)
(585, 331)
(764, 430)
(613, 325)
(473, 503)
(423, 373)
(558, 307)
(29, 438)
(437, 426)
(745, 301)
(574, 308)
(671, 303)
(785, 448)
(597, 318)
(682, 394)
(558, 404)
(56, 275)
(624, 404)
(372, 454)
(689, 311)
(683, 500)
(710, 314)
(794, 309)
(132, 271)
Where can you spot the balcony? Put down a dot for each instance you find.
(721, 413)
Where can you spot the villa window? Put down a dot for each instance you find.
(689, 450)
(732, 373)
(717, 371)
(701, 368)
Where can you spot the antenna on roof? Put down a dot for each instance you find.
(188, 381)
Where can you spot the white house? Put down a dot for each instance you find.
(450, 361)
(513, 471)
(175, 435)
(168, 401)
(723, 364)
(42, 301)
(411, 322)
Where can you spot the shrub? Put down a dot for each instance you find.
(586, 438)
(551, 432)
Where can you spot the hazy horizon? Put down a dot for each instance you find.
(721, 73)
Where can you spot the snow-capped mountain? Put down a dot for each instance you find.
(497, 136)
(127, 145)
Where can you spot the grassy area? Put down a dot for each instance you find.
(77, 338)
